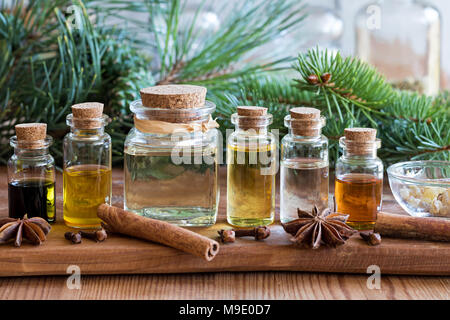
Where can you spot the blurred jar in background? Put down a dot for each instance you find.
(402, 39)
(322, 27)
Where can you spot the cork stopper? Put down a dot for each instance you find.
(251, 111)
(31, 135)
(306, 121)
(88, 115)
(173, 97)
(250, 117)
(305, 113)
(360, 141)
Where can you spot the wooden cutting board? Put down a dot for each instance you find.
(122, 255)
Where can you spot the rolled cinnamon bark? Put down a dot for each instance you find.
(406, 227)
(131, 224)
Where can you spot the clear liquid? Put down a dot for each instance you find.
(182, 194)
(304, 184)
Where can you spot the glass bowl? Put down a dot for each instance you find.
(422, 188)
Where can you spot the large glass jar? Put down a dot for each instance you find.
(87, 166)
(402, 39)
(359, 178)
(171, 162)
(31, 174)
(252, 167)
(304, 164)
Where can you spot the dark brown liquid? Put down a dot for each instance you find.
(35, 198)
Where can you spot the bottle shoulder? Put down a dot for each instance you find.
(359, 161)
(290, 140)
(72, 138)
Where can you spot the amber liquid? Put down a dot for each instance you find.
(85, 188)
(359, 196)
(251, 186)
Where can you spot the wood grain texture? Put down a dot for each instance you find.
(124, 255)
(227, 286)
(223, 285)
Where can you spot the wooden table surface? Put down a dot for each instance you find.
(250, 285)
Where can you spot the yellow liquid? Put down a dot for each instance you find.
(251, 186)
(85, 188)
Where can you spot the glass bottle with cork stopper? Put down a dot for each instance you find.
(87, 181)
(252, 166)
(359, 178)
(304, 164)
(171, 156)
(31, 174)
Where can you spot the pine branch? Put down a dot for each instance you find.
(352, 93)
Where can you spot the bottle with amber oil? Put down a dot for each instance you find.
(87, 166)
(359, 178)
(304, 164)
(252, 166)
(31, 174)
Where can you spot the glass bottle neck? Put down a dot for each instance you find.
(88, 133)
(30, 153)
(300, 137)
(252, 131)
(366, 156)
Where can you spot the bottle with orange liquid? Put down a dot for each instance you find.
(359, 178)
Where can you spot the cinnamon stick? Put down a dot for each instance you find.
(131, 224)
(407, 227)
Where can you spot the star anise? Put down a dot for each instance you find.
(314, 229)
(34, 230)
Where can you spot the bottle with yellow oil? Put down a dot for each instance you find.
(252, 167)
(87, 166)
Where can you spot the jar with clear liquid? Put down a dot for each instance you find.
(172, 158)
(402, 39)
(304, 164)
(252, 167)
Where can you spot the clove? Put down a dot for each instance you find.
(98, 235)
(372, 238)
(74, 237)
(259, 233)
(227, 236)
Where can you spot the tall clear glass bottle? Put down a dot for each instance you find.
(402, 39)
(31, 174)
(87, 172)
(304, 164)
(359, 178)
(172, 158)
(252, 167)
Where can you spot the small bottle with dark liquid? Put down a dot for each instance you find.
(359, 178)
(31, 174)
